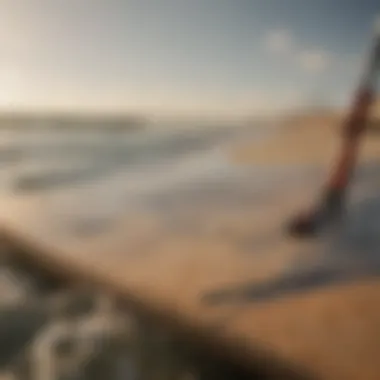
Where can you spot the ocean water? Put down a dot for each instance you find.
(129, 164)
(35, 155)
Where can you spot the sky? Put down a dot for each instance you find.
(185, 57)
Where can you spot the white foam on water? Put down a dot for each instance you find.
(124, 170)
(130, 188)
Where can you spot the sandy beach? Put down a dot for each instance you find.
(309, 139)
(212, 254)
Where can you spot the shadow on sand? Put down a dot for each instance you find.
(349, 254)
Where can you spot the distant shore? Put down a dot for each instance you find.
(71, 121)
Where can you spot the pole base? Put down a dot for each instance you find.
(304, 226)
(310, 225)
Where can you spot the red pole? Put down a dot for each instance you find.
(353, 129)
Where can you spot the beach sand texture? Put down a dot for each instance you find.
(224, 263)
(307, 139)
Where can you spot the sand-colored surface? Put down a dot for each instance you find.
(305, 140)
(222, 262)
(171, 260)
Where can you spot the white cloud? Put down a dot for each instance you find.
(314, 61)
(279, 41)
(282, 42)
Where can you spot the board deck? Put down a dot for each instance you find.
(214, 255)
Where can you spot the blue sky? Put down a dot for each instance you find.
(224, 57)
